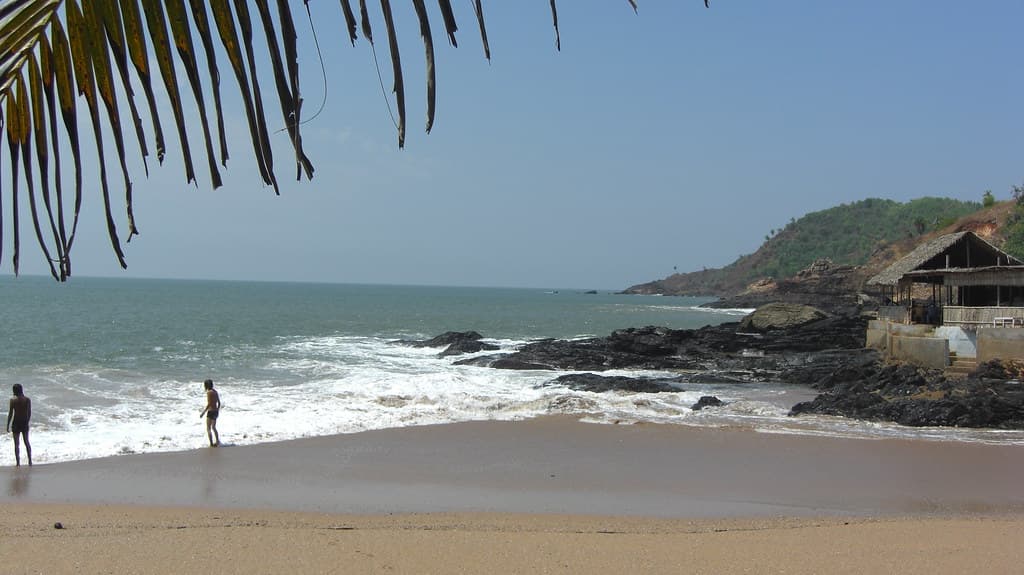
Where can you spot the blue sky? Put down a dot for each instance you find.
(677, 137)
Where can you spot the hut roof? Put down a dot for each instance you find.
(1012, 275)
(930, 249)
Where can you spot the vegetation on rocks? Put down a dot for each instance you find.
(1014, 229)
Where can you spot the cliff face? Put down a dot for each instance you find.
(823, 285)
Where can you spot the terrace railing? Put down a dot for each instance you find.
(998, 316)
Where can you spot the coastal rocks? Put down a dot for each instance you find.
(648, 341)
(505, 363)
(455, 343)
(721, 349)
(595, 383)
(827, 369)
(826, 354)
(829, 333)
(917, 397)
(467, 346)
(594, 354)
(445, 339)
(999, 370)
(707, 401)
(775, 316)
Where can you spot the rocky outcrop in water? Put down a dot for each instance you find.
(707, 401)
(595, 383)
(464, 347)
(717, 351)
(825, 352)
(445, 339)
(454, 342)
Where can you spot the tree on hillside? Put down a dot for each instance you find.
(987, 199)
(1014, 231)
(920, 225)
(1017, 192)
(62, 59)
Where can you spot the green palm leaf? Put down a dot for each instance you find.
(57, 53)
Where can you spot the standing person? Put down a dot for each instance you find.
(19, 413)
(212, 410)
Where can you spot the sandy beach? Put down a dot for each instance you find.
(549, 495)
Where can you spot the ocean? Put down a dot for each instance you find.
(115, 366)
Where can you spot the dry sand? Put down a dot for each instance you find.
(549, 495)
(116, 539)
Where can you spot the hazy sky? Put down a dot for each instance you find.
(677, 137)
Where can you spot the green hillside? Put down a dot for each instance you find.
(847, 234)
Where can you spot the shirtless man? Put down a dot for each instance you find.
(212, 410)
(20, 412)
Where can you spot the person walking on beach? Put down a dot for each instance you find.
(19, 413)
(212, 410)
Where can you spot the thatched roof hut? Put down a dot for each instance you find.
(972, 281)
(961, 253)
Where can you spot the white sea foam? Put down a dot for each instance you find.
(702, 310)
(741, 311)
(329, 385)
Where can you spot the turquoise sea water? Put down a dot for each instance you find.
(115, 365)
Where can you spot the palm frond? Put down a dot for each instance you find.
(55, 54)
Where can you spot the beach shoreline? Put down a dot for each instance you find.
(555, 465)
(513, 497)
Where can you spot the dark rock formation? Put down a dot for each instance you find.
(998, 370)
(600, 383)
(445, 339)
(648, 341)
(776, 316)
(707, 401)
(912, 396)
(827, 354)
(454, 342)
(505, 363)
(467, 346)
(719, 352)
(827, 369)
(595, 354)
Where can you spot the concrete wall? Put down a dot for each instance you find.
(878, 335)
(1001, 343)
(929, 347)
(914, 344)
(930, 352)
(911, 330)
(880, 331)
(963, 343)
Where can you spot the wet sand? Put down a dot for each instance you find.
(550, 494)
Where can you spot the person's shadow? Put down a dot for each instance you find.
(18, 484)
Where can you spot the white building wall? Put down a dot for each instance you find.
(963, 343)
